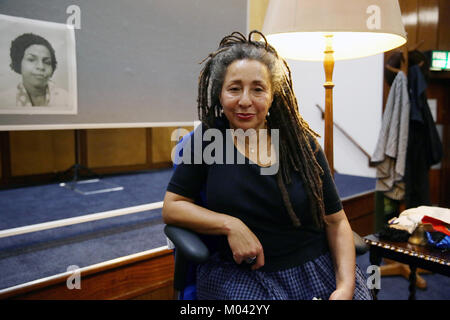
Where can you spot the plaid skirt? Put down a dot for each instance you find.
(218, 279)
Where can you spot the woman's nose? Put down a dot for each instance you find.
(245, 100)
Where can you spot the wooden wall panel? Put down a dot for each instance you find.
(410, 18)
(116, 147)
(37, 152)
(444, 25)
(363, 225)
(164, 293)
(435, 185)
(427, 28)
(360, 213)
(445, 170)
(438, 90)
(162, 145)
(5, 158)
(41, 156)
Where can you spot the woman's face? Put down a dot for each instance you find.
(246, 94)
(36, 66)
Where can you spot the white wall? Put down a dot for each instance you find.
(357, 104)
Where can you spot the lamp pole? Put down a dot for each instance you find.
(328, 64)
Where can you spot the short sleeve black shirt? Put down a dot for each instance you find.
(241, 191)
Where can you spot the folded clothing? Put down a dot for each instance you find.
(409, 219)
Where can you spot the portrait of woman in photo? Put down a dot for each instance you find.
(34, 58)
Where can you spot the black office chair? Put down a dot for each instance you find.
(191, 250)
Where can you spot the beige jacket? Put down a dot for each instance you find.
(390, 152)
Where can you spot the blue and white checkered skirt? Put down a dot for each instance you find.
(225, 280)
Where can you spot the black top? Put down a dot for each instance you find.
(241, 191)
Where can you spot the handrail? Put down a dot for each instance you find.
(346, 135)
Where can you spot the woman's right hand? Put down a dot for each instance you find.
(244, 244)
(182, 211)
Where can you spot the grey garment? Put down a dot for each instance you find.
(390, 152)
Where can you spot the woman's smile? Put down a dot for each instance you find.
(245, 116)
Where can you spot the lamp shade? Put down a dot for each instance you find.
(359, 28)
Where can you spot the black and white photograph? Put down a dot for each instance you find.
(37, 67)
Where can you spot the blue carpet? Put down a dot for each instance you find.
(24, 206)
(348, 185)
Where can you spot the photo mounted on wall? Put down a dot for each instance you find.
(37, 67)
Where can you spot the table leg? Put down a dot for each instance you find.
(412, 282)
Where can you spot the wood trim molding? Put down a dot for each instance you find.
(123, 278)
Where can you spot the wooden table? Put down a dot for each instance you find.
(415, 256)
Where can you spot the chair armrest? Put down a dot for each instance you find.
(360, 245)
(188, 243)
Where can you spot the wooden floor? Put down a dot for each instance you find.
(146, 275)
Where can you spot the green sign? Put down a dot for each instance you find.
(439, 60)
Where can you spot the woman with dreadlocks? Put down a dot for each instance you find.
(282, 235)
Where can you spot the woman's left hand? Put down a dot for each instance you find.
(341, 294)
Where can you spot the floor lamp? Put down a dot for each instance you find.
(330, 30)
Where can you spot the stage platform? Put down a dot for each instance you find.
(32, 256)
